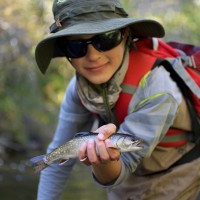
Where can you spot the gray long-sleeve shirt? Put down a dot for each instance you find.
(151, 112)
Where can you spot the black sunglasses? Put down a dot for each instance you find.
(101, 42)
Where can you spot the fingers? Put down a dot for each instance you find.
(104, 156)
(112, 151)
(88, 154)
(99, 150)
(106, 131)
(96, 152)
(83, 154)
(91, 152)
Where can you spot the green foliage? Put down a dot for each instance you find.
(24, 103)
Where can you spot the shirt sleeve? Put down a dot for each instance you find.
(73, 118)
(151, 112)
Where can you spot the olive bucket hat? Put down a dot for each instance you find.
(77, 17)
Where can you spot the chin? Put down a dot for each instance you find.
(100, 81)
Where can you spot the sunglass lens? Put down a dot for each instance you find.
(74, 49)
(107, 41)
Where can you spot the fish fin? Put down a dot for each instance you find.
(84, 134)
(125, 134)
(81, 134)
(63, 161)
(38, 163)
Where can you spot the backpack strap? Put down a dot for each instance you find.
(195, 152)
(184, 87)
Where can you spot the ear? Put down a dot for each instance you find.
(129, 39)
(127, 32)
(130, 43)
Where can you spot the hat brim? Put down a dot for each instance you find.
(46, 49)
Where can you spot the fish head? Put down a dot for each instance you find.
(128, 143)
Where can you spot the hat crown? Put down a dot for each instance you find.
(73, 4)
(69, 10)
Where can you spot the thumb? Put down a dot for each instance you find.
(106, 131)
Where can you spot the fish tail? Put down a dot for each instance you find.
(38, 163)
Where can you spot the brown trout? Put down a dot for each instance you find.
(122, 141)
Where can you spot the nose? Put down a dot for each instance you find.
(92, 53)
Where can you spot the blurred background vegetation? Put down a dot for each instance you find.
(29, 101)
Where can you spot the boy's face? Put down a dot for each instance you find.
(98, 67)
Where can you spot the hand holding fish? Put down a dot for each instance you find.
(91, 146)
(101, 150)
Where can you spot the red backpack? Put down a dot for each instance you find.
(183, 63)
(184, 70)
(192, 76)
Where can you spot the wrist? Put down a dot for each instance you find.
(107, 173)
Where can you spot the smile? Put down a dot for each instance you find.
(96, 68)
